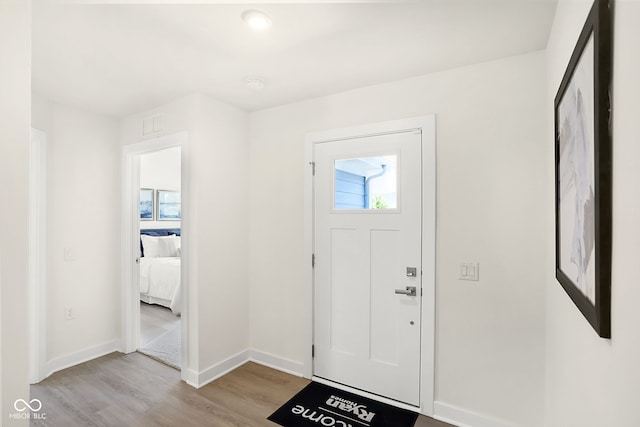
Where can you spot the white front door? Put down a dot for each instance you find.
(367, 276)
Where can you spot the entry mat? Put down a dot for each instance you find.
(320, 405)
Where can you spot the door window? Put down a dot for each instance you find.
(366, 183)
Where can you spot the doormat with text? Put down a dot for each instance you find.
(320, 405)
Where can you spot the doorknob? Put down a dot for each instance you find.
(410, 291)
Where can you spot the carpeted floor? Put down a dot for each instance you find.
(160, 334)
(166, 348)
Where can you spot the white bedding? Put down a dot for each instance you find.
(160, 282)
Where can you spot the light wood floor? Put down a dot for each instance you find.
(133, 390)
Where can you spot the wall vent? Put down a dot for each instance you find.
(152, 124)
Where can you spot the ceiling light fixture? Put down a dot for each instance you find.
(256, 20)
(254, 83)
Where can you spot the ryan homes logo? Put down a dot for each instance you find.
(338, 412)
(27, 410)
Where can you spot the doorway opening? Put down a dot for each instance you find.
(155, 254)
(160, 256)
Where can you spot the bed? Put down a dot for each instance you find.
(160, 268)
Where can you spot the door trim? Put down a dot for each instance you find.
(427, 125)
(38, 254)
(131, 246)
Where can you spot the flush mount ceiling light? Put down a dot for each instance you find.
(254, 83)
(256, 20)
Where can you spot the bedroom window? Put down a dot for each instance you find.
(366, 183)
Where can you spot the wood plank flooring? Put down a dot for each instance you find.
(134, 390)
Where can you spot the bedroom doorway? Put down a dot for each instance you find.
(160, 256)
(155, 257)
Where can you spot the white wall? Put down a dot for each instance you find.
(161, 170)
(219, 162)
(83, 218)
(593, 381)
(491, 180)
(218, 216)
(15, 80)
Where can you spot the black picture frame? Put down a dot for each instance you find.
(583, 170)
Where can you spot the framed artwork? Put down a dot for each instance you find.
(146, 204)
(169, 206)
(583, 171)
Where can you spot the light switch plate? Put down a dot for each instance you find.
(469, 271)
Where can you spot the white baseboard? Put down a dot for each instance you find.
(200, 379)
(214, 372)
(89, 353)
(280, 363)
(189, 376)
(463, 418)
(442, 411)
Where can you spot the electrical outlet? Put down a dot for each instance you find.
(69, 254)
(69, 313)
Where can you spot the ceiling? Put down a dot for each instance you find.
(118, 59)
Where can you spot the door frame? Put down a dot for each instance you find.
(427, 126)
(38, 255)
(131, 240)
